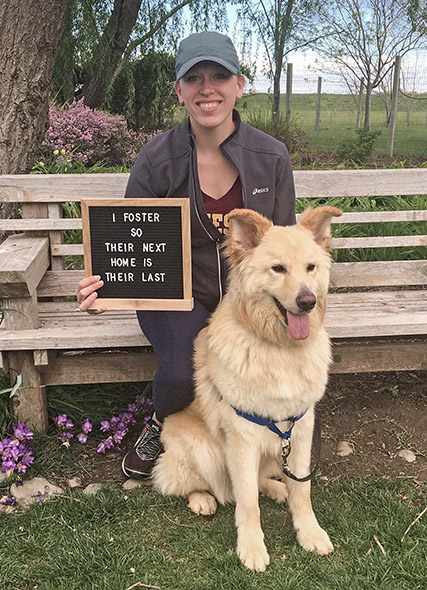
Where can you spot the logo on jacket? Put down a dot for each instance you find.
(256, 191)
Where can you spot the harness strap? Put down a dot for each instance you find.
(271, 424)
(285, 436)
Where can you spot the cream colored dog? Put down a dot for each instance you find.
(265, 352)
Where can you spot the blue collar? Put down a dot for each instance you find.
(271, 424)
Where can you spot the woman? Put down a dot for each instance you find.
(219, 163)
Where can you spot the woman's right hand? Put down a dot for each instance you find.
(87, 293)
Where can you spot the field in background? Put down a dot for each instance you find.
(338, 114)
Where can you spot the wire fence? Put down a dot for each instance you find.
(307, 80)
(324, 99)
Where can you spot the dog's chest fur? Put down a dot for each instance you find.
(262, 377)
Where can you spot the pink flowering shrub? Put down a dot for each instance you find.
(80, 133)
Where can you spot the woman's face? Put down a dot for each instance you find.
(209, 91)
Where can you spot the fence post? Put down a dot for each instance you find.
(289, 69)
(360, 105)
(394, 103)
(319, 92)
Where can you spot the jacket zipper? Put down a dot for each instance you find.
(218, 255)
(209, 235)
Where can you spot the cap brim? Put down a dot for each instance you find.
(192, 62)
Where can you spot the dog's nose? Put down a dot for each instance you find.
(306, 300)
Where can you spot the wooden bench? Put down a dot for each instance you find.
(377, 312)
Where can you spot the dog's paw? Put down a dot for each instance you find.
(276, 490)
(315, 539)
(202, 503)
(254, 556)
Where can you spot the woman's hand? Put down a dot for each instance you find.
(86, 293)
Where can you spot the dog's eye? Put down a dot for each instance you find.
(311, 267)
(279, 268)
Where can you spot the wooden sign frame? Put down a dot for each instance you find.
(137, 303)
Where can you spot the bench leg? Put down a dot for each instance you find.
(30, 399)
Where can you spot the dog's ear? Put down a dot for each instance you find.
(318, 221)
(247, 227)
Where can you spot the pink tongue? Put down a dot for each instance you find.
(299, 325)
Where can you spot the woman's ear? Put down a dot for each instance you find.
(240, 86)
(177, 88)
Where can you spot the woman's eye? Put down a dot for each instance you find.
(311, 267)
(279, 268)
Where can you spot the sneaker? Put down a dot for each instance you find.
(139, 461)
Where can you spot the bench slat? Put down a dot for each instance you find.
(352, 217)
(379, 274)
(47, 224)
(63, 283)
(348, 316)
(358, 183)
(337, 244)
(51, 311)
(55, 188)
(379, 242)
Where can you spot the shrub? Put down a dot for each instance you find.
(294, 138)
(79, 133)
(358, 149)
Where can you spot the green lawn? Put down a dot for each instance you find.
(115, 539)
(338, 119)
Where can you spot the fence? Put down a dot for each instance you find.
(323, 97)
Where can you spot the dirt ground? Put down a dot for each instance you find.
(378, 414)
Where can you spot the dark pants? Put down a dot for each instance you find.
(172, 334)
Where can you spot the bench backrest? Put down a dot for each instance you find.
(42, 197)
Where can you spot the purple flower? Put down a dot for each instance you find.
(8, 500)
(69, 424)
(38, 496)
(108, 443)
(119, 435)
(27, 458)
(61, 420)
(65, 436)
(114, 421)
(105, 426)
(101, 447)
(82, 438)
(86, 426)
(7, 465)
(21, 432)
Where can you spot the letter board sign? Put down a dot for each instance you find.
(141, 249)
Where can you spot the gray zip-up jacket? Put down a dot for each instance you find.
(167, 167)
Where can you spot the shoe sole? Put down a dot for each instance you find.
(134, 474)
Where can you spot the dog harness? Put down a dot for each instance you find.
(286, 438)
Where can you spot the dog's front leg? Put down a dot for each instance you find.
(309, 534)
(243, 465)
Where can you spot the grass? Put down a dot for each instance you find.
(115, 539)
(385, 203)
(338, 118)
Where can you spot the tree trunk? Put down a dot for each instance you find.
(276, 92)
(367, 123)
(28, 42)
(63, 77)
(109, 51)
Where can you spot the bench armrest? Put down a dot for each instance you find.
(23, 262)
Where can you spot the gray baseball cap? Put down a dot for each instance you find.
(206, 46)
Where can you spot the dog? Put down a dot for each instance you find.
(264, 353)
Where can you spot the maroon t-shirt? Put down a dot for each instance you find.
(218, 209)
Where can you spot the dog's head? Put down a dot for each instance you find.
(281, 273)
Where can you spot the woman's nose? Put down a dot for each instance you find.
(207, 86)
